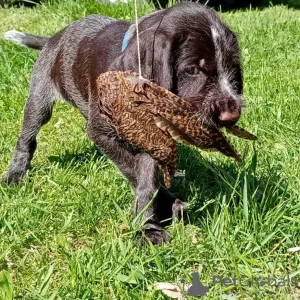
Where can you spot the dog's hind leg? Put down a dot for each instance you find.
(37, 112)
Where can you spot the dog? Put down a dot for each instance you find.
(185, 48)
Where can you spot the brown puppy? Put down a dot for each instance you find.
(185, 48)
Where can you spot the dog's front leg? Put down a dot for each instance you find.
(142, 172)
(153, 202)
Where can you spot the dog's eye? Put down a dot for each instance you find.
(193, 70)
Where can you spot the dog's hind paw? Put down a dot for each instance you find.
(13, 178)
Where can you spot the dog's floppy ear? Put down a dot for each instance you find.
(156, 47)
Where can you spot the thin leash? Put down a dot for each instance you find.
(138, 39)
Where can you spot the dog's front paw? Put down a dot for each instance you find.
(154, 234)
(13, 178)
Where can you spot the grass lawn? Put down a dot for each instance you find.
(61, 231)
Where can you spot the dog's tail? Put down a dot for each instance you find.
(26, 39)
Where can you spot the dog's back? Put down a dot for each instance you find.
(68, 59)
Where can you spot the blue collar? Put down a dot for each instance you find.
(127, 36)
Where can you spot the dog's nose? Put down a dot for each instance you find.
(227, 117)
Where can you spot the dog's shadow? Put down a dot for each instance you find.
(76, 159)
(204, 180)
(209, 181)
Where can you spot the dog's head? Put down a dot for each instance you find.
(188, 50)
